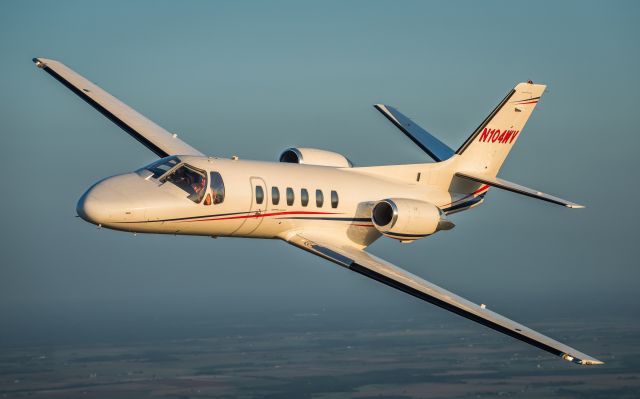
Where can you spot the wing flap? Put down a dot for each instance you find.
(516, 188)
(435, 148)
(377, 269)
(152, 136)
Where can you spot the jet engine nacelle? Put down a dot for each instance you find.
(407, 220)
(314, 156)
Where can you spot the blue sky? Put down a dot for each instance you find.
(253, 78)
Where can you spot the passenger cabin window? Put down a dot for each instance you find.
(290, 196)
(217, 188)
(189, 179)
(259, 194)
(275, 195)
(162, 166)
(319, 198)
(304, 197)
(334, 199)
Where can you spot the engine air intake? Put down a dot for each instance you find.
(383, 213)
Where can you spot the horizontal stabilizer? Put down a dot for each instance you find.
(436, 149)
(516, 188)
(152, 136)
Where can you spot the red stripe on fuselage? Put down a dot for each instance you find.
(478, 191)
(258, 214)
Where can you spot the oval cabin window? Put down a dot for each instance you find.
(290, 196)
(259, 194)
(319, 198)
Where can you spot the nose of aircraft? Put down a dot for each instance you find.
(85, 208)
(109, 201)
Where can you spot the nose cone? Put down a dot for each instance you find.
(109, 201)
(89, 208)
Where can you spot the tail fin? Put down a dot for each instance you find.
(487, 148)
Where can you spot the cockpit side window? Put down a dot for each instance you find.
(189, 179)
(162, 166)
(217, 188)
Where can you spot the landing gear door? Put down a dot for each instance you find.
(257, 208)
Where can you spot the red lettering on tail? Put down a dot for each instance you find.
(513, 137)
(495, 135)
(501, 138)
(484, 135)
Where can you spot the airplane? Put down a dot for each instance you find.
(317, 200)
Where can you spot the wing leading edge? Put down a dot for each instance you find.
(377, 269)
(152, 136)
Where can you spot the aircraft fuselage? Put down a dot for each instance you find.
(316, 197)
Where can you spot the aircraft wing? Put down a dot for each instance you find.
(152, 136)
(377, 269)
(435, 148)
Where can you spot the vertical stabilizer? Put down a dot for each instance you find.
(487, 148)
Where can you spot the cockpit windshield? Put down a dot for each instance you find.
(189, 179)
(161, 166)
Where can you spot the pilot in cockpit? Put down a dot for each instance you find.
(198, 185)
(189, 180)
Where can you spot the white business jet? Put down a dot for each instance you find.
(314, 199)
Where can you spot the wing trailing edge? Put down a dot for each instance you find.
(361, 262)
